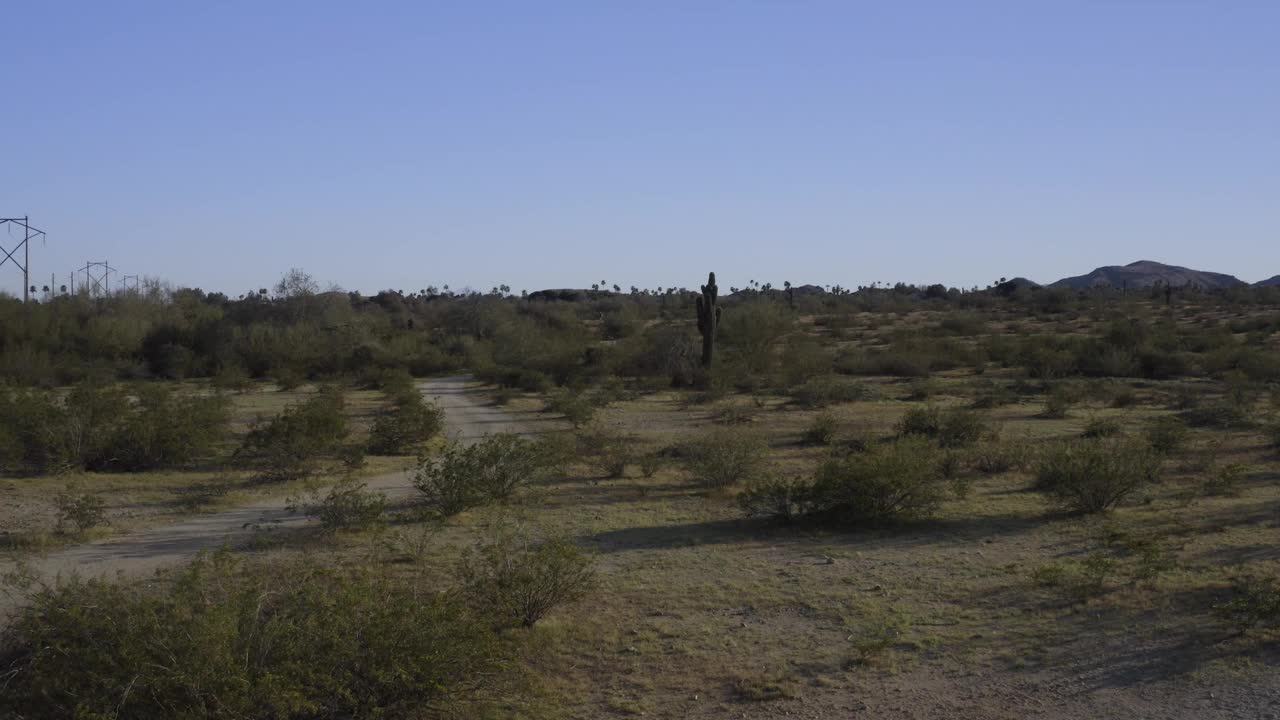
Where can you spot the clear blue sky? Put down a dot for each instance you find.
(548, 144)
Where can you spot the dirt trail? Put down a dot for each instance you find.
(467, 419)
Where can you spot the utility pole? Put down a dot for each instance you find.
(97, 277)
(28, 234)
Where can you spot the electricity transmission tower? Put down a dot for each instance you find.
(97, 277)
(28, 234)
(129, 282)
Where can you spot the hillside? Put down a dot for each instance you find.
(1146, 273)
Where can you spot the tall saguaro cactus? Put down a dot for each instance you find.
(708, 318)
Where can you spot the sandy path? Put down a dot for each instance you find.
(466, 417)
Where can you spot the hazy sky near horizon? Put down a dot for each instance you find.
(553, 144)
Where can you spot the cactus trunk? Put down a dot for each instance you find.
(708, 318)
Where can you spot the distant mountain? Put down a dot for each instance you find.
(1269, 282)
(1146, 273)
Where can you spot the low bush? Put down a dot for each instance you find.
(1217, 414)
(104, 429)
(1255, 602)
(993, 397)
(1090, 476)
(394, 382)
(952, 428)
(232, 640)
(404, 428)
(491, 470)
(898, 482)
(164, 430)
(1273, 435)
(613, 457)
(824, 390)
(1059, 402)
(576, 407)
(1123, 396)
(1077, 580)
(291, 445)
(1101, 427)
(82, 509)
(921, 389)
(517, 581)
(650, 464)
(822, 429)
(995, 458)
(347, 505)
(777, 498)
(288, 378)
(926, 421)
(734, 415)
(1166, 435)
(1224, 481)
(724, 457)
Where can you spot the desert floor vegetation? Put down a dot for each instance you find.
(946, 506)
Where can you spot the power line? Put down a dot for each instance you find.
(97, 277)
(28, 234)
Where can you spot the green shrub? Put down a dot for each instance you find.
(1078, 580)
(993, 396)
(1091, 476)
(165, 431)
(802, 359)
(724, 457)
(290, 445)
(1217, 414)
(750, 329)
(1059, 402)
(921, 389)
(288, 378)
(402, 430)
(99, 428)
(952, 428)
(613, 458)
(1123, 396)
(394, 382)
(82, 509)
(822, 429)
(232, 378)
(734, 415)
(231, 640)
(1273, 435)
(1166, 434)
(827, 390)
(995, 458)
(650, 464)
(518, 581)
(577, 408)
(1224, 481)
(926, 421)
(898, 482)
(1255, 602)
(491, 470)
(347, 505)
(776, 498)
(1102, 427)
